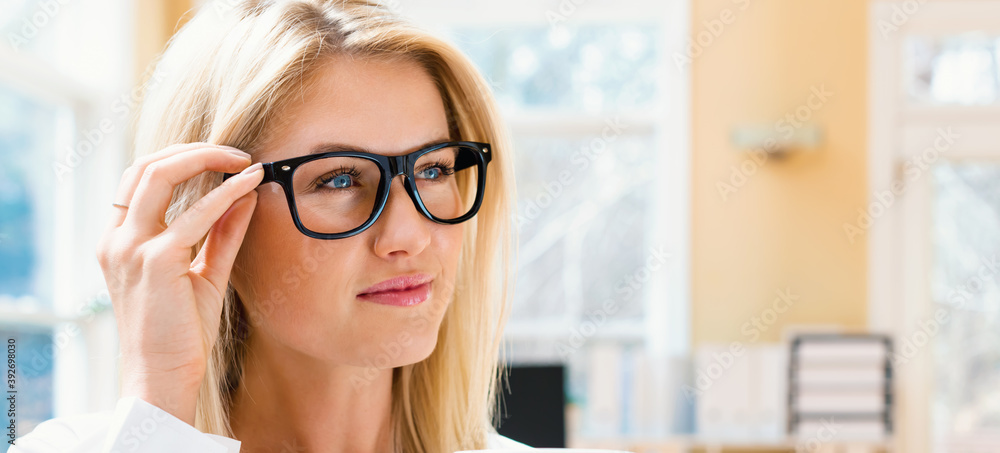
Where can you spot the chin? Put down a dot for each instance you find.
(396, 350)
(420, 350)
(419, 347)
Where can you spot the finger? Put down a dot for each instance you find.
(156, 187)
(215, 259)
(194, 223)
(131, 176)
(118, 215)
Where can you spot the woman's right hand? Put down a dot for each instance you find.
(168, 307)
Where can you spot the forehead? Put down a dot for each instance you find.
(388, 106)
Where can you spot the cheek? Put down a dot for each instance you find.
(448, 240)
(273, 241)
(288, 269)
(450, 237)
(271, 215)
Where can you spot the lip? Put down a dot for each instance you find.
(401, 291)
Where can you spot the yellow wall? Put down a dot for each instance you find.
(156, 21)
(783, 228)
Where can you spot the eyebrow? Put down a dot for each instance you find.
(338, 147)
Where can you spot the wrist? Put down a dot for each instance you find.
(177, 397)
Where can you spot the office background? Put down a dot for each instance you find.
(698, 180)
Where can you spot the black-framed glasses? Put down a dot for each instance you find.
(339, 194)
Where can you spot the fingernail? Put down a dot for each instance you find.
(252, 168)
(237, 152)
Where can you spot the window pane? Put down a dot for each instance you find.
(26, 198)
(585, 193)
(33, 380)
(587, 68)
(582, 206)
(953, 70)
(966, 232)
(17, 26)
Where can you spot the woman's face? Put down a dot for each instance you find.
(304, 295)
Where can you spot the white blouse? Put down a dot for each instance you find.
(138, 426)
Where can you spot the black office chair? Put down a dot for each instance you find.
(533, 410)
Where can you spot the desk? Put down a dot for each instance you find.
(691, 444)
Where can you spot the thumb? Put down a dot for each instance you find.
(215, 259)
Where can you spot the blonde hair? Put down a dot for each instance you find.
(222, 79)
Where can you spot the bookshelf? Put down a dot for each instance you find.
(840, 384)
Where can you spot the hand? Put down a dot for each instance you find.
(168, 307)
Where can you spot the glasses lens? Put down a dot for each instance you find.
(336, 194)
(447, 180)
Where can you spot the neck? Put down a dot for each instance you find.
(289, 403)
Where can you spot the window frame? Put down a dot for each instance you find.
(666, 327)
(664, 333)
(899, 242)
(78, 316)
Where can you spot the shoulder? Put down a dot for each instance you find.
(133, 422)
(496, 440)
(65, 433)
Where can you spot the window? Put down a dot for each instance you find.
(935, 104)
(582, 195)
(27, 203)
(26, 198)
(61, 134)
(963, 69)
(966, 237)
(601, 165)
(590, 68)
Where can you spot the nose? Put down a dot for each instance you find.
(400, 231)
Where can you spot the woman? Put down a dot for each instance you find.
(344, 292)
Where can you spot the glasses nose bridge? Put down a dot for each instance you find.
(398, 166)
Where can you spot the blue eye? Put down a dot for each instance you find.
(431, 173)
(341, 181)
(435, 171)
